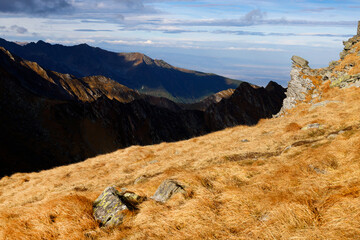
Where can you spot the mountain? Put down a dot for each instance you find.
(134, 70)
(50, 119)
(295, 176)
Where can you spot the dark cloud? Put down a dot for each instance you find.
(33, 6)
(18, 29)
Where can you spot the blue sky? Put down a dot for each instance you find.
(242, 39)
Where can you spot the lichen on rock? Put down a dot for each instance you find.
(111, 206)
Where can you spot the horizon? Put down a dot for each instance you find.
(245, 40)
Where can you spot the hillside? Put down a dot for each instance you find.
(291, 177)
(134, 70)
(57, 119)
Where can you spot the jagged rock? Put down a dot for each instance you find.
(166, 189)
(298, 86)
(110, 207)
(300, 61)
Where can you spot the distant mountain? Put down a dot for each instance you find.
(49, 119)
(134, 70)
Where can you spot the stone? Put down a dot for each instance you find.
(312, 126)
(300, 61)
(297, 89)
(245, 140)
(111, 206)
(322, 104)
(166, 190)
(332, 136)
(140, 179)
(317, 170)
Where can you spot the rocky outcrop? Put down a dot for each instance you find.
(298, 86)
(308, 83)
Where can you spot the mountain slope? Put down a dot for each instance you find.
(283, 183)
(57, 119)
(295, 176)
(134, 70)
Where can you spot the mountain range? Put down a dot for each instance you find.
(134, 70)
(59, 118)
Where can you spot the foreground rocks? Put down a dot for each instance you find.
(112, 206)
(166, 190)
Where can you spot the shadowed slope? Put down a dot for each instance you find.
(56, 119)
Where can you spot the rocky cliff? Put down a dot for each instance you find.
(50, 119)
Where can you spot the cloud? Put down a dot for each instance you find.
(18, 29)
(33, 6)
(318, 9)
(92, 30)
(256, 49)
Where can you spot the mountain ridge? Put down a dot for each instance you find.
(134, 70)
(65, 119)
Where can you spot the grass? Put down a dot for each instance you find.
(234, 190)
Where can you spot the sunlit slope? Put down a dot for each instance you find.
(283, 183)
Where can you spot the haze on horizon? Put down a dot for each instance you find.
(246, 40)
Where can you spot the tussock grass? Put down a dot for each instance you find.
(235, 189)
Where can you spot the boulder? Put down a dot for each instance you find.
(111, 206)
(166, 190)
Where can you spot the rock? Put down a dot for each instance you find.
(300, 61)
(166, 189)
(245, 140)
(140, 179)
(317, 170)
(111, 206)
(321, 104)
(311, 126)
(332, 136)
(298, 87)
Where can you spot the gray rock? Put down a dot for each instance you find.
(166, 190)
(297, 89)
(317, 170)
(300, 61)
(322, 104)
(312, 126)
(140, 179)
(332, 136)
(245, 140)
(110, 207)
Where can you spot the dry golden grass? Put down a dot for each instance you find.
(261, 189)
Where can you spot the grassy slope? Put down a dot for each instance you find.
(235, 189)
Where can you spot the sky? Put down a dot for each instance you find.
(250, 40)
